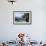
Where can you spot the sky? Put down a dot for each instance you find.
(19, 14)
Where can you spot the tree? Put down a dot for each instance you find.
(26, 16)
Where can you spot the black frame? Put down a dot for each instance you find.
(30, 18)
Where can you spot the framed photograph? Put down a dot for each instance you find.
(22, 17)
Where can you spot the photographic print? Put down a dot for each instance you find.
(22, 17)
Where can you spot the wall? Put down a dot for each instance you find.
(9, 31)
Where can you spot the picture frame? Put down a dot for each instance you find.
(22, 17)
